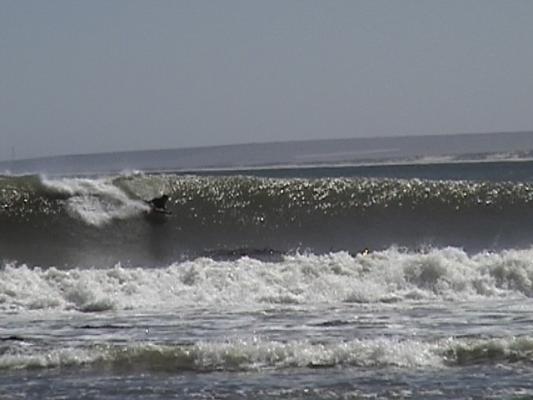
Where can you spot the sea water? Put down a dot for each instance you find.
(414, 282)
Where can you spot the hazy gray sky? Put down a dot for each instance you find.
(92, 76)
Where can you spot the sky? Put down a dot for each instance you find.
(111, 75)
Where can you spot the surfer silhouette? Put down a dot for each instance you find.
(159, 204)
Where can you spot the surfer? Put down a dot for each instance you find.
(159, 204)
(362, 252)
(365, 251)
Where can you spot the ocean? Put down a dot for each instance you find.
(383, 281)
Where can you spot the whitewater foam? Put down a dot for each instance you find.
(387, 276)
(96, 201)
(256, 353)
(235, 354)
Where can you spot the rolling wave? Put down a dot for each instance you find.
(251, 354)
(102, 221)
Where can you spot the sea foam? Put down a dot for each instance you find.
(96, 201)
(255, 353)
(383, 277)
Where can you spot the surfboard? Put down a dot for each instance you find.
(160, 211)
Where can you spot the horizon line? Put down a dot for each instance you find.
(401, 136)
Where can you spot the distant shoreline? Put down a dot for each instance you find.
(323, 153)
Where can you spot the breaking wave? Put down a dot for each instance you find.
(303, 279)
(95, 201)
(250, 354)
(102, 221)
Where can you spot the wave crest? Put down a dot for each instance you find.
(253, 353)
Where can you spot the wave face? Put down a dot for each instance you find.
(102, 221)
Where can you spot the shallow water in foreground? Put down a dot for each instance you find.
(254, 287)
(392, 324)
